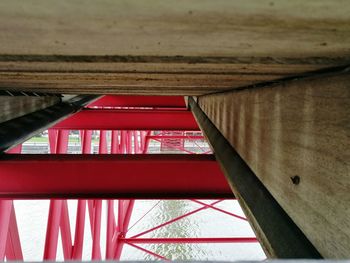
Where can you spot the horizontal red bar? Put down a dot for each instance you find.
(184, 137)
(190, 240)
(140, 101)
(129, 120)
(118, 176)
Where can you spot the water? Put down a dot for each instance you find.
(32, 220)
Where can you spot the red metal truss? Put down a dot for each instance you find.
(130, 120)
(140, 101)
(115, 175)
(154, 175)
(137, 239)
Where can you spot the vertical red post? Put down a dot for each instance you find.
(52, 140)
(143, 139)
(129, 142)
(58, 144)
(77, 252)
(120, 214)
(66, 235)
(123, 139)
(103, 142)
(111, 225)
(52, 230)
(125, 208)
(96, 237)
(136, 142)
(5, 214)
(90, 204)
(13, 247)
(62, 141)
(13, 250)
(85, 141)
(115, 142)
(144, 150)
(128, 214)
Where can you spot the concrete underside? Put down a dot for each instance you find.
(298, 128)
(167, 47)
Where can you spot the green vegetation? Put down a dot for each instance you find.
(38, 139)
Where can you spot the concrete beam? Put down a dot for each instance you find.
(295, 137)
(277, 233)
(191, 47)
(13, 107)
(200, 28)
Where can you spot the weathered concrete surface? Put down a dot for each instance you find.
(186, 47)
(152, 75)
(13, 107)
(171, 28)
(299, 128)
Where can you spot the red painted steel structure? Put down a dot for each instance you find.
(151, 176)
(140, 101)
(10, 245)
(122, 142)
(130, 120)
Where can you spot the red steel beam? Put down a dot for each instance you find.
(185, 240)
(118, 176)
(140, 101)
(129, 120)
